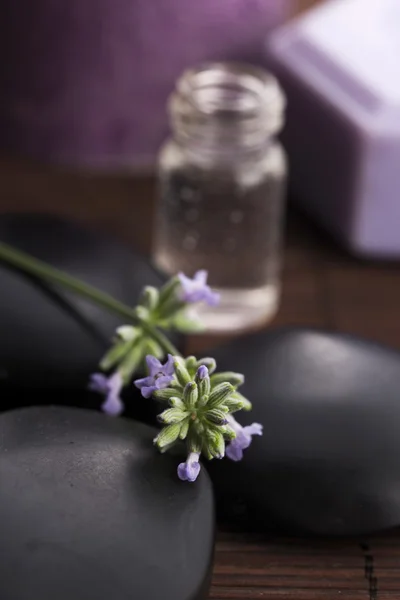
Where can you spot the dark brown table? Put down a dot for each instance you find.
(322, 287)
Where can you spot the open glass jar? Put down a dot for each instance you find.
(222, 179)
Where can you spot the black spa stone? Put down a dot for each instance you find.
(329, 459)
(89, 510)
(51, 340)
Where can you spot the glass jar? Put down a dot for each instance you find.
(222, 185)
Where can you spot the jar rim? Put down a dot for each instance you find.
(243, 88)
(227, 103)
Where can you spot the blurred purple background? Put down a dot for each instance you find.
(85, 83)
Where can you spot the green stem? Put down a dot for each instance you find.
(160, 338)
(42, 270)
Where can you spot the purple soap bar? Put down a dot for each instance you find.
(339, 66)
(85, 82)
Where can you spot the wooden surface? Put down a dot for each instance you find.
(322, 287)
(252, 568)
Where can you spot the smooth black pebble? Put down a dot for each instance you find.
(51, 340)
(329, 459)
(90, 511)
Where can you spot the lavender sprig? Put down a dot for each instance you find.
(202, 403)
(201, 407)
(157, 310)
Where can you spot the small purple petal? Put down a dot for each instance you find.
(201, 276)
(146, 381)
(112, 406)
(202, 372)
(213, 298)
(196, 289)
(153, 365)
(189, 470)
(146, 386)
(147, 391)
(185, 281)
(169, 368)
(152, 385)
(234, 451)
(243, 439)
(162, 382)
(98, 383)
(111, 387)
(160, 376)
(254, 429)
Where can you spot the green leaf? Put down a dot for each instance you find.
(217, 444)
(198, 427)
(177, 386)
(131, 361)
(246, 403)
(185, 324)
(194, 441)
(115, 355)
(216, 415)
(202, 401)
(181, 373)
(169, 289)
(168, 435)
(191, 364)
(204, 386)
(233, 404)
(127, 333)
(141, 313)
(164, 395)
(209, 363)
(153, 348)
(177, 403)
(219, 394)
(228, 432)
(165, 315)
(169, 302)
(207, 450)
(172, 415)
(184, 429)
(149, 297)
(190, 394)
(234, 379)
(165, 448)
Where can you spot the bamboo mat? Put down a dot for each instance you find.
(250, 567)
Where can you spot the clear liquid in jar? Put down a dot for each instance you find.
(233, 232)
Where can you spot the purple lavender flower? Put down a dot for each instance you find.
(189, 470)
(197, 290)
(160, 376)
(243, 439)
(111, 387)
(202, 372)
